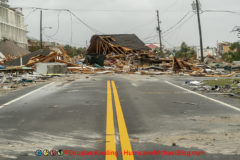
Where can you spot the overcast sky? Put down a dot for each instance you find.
(132, 16)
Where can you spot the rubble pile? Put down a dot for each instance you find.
(210, 68)
(126, 53)
(121, 53)
(139, 62)
(7, 58)
(13, 81)
(147, 63)
(43, 56)
(10, 51)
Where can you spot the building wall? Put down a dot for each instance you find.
(223, 47)
(206, 52)
(226, 49)
(12, 26)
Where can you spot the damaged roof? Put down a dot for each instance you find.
(26, 58)
(130, 41)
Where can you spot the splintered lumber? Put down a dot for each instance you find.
(50, 58)
(42, 59)
(191, 66)
(115, 48)
(68, 63)
(88, 72)
(179, 63)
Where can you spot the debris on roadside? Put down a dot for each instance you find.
(126, 53)
(113, 54)
(229, 87)
(43, 56)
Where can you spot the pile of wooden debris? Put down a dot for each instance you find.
(43, 56)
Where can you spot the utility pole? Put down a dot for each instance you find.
(41, 46)
(159, 32)
(200, 29)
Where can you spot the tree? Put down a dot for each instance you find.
(185, 52)
(4, 1)
(233, 54)
(73, 51)
(235, 47)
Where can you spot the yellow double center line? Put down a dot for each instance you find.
(110, 132)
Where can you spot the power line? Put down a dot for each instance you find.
(155, 37)
(71, 27)
(89, 27)
(111, 10)
(170, 6)
(58, 26)
(167, 42)
(86, 10)
(151, 35)
(183, 22)
(79, 19)
(142, 25)
(61, 41)
(32, 11)
(172, 27)
(185, 16)
(223, 11)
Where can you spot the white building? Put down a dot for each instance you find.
(206, 52)
(12, 25)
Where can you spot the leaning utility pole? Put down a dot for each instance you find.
(159, 32)
(200, 29)
(41, 46)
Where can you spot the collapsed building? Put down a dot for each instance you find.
(112, 47)
(122, 52)
(42, 56)
(124, 47)
(11, 50)
(117, 44)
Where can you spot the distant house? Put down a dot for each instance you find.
(153, 46)
(116, 43)
(223, 47)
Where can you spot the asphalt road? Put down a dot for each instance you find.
(131, 114)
